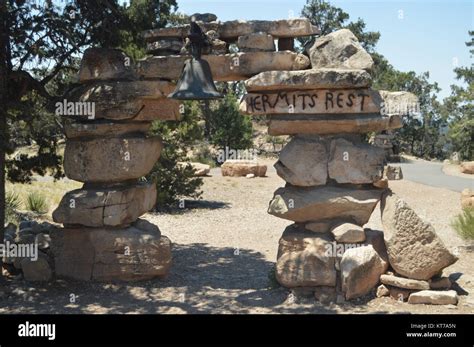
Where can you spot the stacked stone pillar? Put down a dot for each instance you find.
(109, 150)
(334, 178)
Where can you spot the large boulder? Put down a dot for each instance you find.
(242, 168)
(361, 268)
(99, 207)
(228, 67)
(303, 259)
(414, 249)
(303, 161)
(110, 159)
(111, 254)
(339, 49)
(37, 270)
(105, 64)
(467, 167)
(317, 203)
(355, 162)
(308, 79)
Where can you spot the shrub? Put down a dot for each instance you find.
(12, 203)
(175, 181)
(464, 224)
(36, 202)
(228, 127)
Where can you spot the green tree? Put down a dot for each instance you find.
(41, 44)
(228, 127)
(174, 180)
(459, 109)
(330, 18)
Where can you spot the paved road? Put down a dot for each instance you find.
(432, 174)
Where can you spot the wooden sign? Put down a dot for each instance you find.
(324, 101)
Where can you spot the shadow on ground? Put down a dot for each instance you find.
(203, 279)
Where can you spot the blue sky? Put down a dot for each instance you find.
(418, 35)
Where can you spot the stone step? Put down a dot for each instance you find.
(231, 30)
(228, 67)
(99, 207)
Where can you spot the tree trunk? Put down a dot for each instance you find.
(4, 66)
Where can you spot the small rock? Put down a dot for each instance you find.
(382, 291)
(393, 173)
(204, 17)
(145, 225)
(348, 233)
(405, 283)
(250, 175)
(361, 268)
(36, 271)
(340, 299)
(449, 297)
(11, 229)
(25, 236)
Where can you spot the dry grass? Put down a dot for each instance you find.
(52, 191)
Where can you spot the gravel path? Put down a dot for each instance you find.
(224, 251)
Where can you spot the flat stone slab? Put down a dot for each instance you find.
(331, 124)
(122, 100)
(130, 254)
(432, 297)
(322, 78)
(321, 101)
(256, 42)
(231, 30)
(109, 160)
(228, 67)
(114, 206)
(304, 205)
(405, 283)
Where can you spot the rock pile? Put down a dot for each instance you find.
(109, 150)
(28, 250)
(334, 178)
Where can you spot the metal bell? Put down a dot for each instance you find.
(195, 82)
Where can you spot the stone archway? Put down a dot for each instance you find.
(334, 179)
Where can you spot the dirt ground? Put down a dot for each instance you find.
(223, 255)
